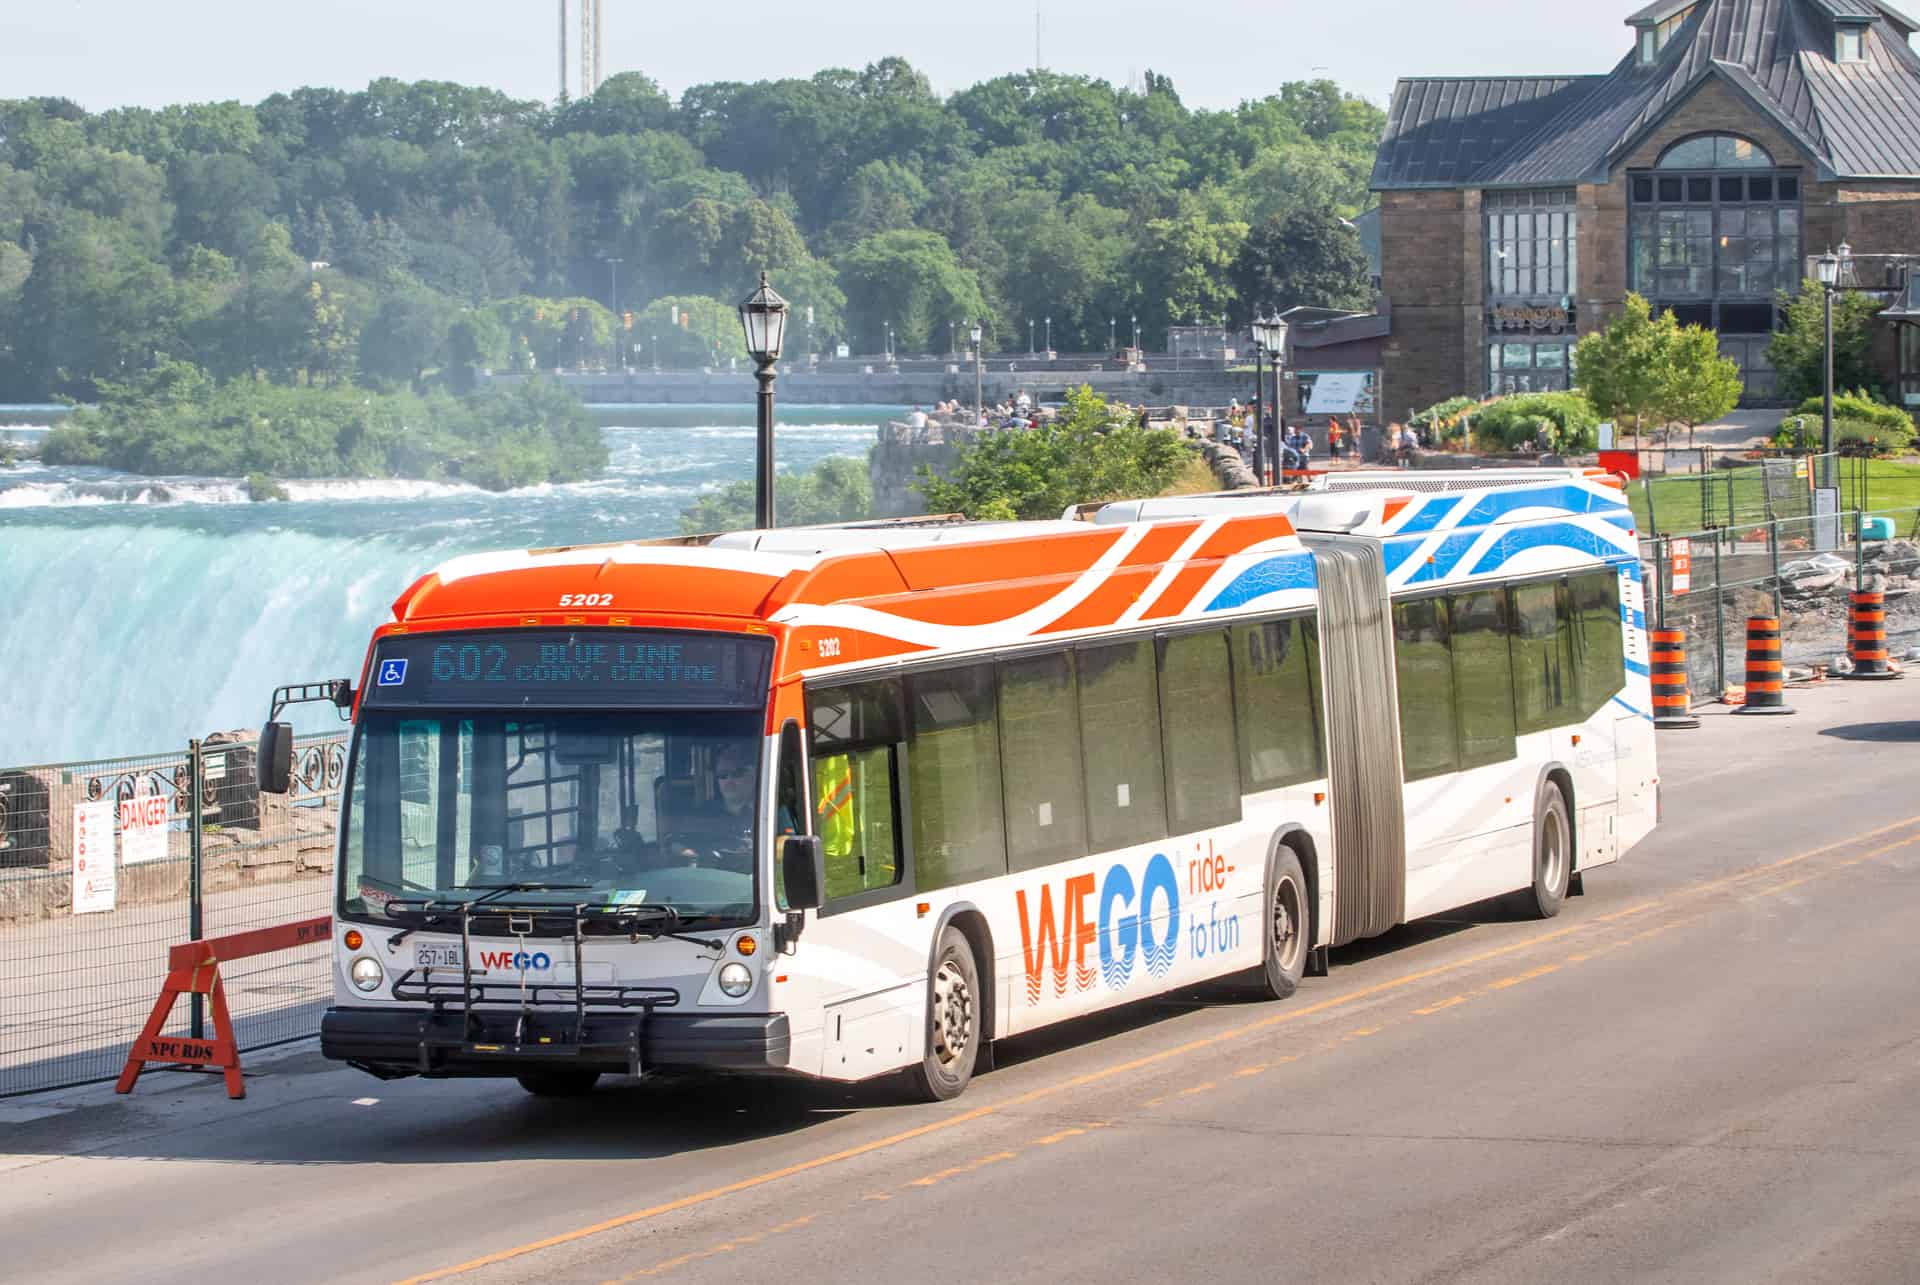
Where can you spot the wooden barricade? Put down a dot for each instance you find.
(193, 968)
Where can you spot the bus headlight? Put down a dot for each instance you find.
(367, 973)
(735, 980)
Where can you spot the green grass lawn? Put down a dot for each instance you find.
(1681, 504)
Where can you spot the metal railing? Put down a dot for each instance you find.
(1801, 569)
(194, 850)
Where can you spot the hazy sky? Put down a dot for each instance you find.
(105, 53)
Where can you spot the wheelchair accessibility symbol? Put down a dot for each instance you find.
(392, 673)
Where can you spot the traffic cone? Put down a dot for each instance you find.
(1766, 686)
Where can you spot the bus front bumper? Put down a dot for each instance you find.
(392, 1043)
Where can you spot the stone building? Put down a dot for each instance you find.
(1734, 139)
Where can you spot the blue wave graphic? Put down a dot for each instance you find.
(1276, 574)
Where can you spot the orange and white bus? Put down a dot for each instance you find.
(858, 800)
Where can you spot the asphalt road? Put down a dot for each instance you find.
(1704, 1069)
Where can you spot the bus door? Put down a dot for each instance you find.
(1363, 736)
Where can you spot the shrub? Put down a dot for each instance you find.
(1797, 433)
(1563, 423)
(1860, 406)
(1438, 419)
(1858, 438)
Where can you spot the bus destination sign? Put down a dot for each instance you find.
(572, 669)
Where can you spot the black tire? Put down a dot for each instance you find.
(1289, 922)
(953, 1023)
(1552, 855)
(559, 1084)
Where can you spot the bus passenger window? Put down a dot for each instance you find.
(953, 770)
(1599, 643)
(1483, 676)
(1040, 734)
(1429, 745)
(856, 812)
(1542, 686)
(1120, 740)
(1196, 715)
(1277, 704)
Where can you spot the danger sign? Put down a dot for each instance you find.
(1680, 572)
(93, 875)
(143, 828)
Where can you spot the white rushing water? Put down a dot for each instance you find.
(138, 612)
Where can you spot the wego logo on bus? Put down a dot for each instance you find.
(518, 960)
(1112, 915)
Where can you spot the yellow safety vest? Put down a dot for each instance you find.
(833, 780)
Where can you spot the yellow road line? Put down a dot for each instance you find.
(1119, 1069)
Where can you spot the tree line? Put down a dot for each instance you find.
(324, 237)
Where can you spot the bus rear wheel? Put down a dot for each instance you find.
(1288, 927)
(953, 1023)
(1552, 855)
(559, 1084)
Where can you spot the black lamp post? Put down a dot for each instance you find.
(1827, 267)
(764, 318)
(1270, 337)
(973, 336)
(1259, 409)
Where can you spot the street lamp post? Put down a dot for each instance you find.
(1270, 338)
(1136, 332)
(1259, 410)
(1827, 267)
(1030, 350)
(764, 318)
(1049, 338)
(973, 336)
(613, 297)
(1113, 324)
(953, 342)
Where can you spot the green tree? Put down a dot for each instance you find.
(1092, 451)
(1310, 257)
(910, 280)
(1798, 350)
(1188, 261)
(837, 490)
(1619, 367)
(330, 339)
(1697, 384)
(405, 337)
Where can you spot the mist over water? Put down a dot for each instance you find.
(138, 612)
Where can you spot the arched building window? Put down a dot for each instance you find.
(1715, 152)
(1714, 231)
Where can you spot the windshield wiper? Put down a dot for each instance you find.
(672, 919)
(494, 890)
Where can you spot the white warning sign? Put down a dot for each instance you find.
(93, 886)
(143, 827)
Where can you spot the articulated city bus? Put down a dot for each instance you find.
(860, 800)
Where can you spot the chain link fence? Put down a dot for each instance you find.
(1801, 569)
(104, 864)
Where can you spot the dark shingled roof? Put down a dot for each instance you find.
(1857, 120)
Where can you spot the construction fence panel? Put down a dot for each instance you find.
(102, 869)
(1802, 569)
(268, 859)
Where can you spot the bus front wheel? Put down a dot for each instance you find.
(1552, 854)
(953, 1023)
(1288, 925)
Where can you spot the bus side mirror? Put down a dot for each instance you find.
(276, 758)
(803, 867)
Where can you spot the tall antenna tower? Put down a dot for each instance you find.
(589, 46)
(592, 29)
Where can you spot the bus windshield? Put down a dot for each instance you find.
(626, 808)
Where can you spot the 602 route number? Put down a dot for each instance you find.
(586, 600)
